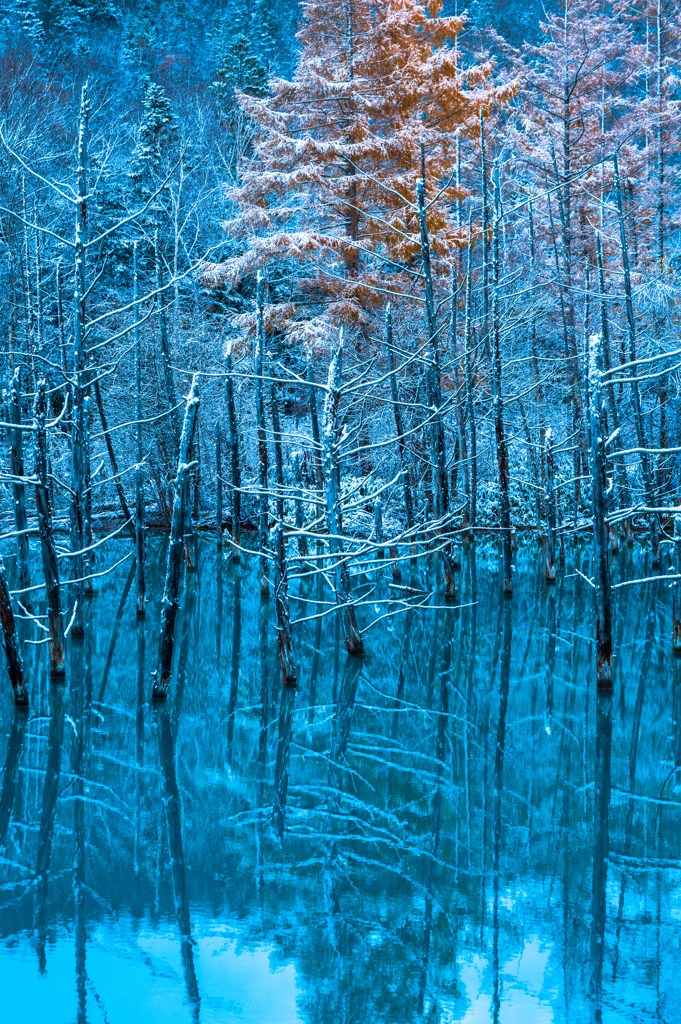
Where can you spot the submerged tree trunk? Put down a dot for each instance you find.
(172, 582)
(597, 431)
(47, 545)
(344, 599)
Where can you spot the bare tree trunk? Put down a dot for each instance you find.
(125, 508)
(79, 454)
(638, 414)
(613, 411)
(15, 666)
(401, 443)
(234, 457)
(314, 420)
(263, 530)
(16, 462)
(303, 550)
(676, 591)
(165, 348)
(139, 473)
(497, 401)
(172, 583)
(47, 545)
(473, 443)
(598, 437)
(434, 390)
(278, 449)
(353, 639)
(218, 486)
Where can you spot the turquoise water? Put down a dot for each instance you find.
(455, 830)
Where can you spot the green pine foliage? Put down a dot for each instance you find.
(239, 68)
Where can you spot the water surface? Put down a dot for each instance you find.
(457, 829)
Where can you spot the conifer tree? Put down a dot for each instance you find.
(238, 69)
(331, 185)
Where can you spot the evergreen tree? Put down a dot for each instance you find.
(156, 133)
(239, 69)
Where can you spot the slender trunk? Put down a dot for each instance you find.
(401, 443)
(263, 528)
(485, 240)
(278, 449)
(434, 390)
(497, 401)
(613, 411)
(638, 414)
(303, 550)
(676, 591)
(218, 485)
(16, 461)
(170, 602)
(139, 473)
(79, 454)
(598, 436)
(314, 419)
(116, 475)
(234, 458)
(344, 599)
(165, 349)
(470, 404)
(47, 545)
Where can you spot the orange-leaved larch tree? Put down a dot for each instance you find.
(327, 198)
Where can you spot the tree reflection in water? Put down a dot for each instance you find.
(456, 825)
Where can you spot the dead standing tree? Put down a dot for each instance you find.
(597, 439)
(47, 545)
(174, 566)
(344, 598)
(16, 460)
